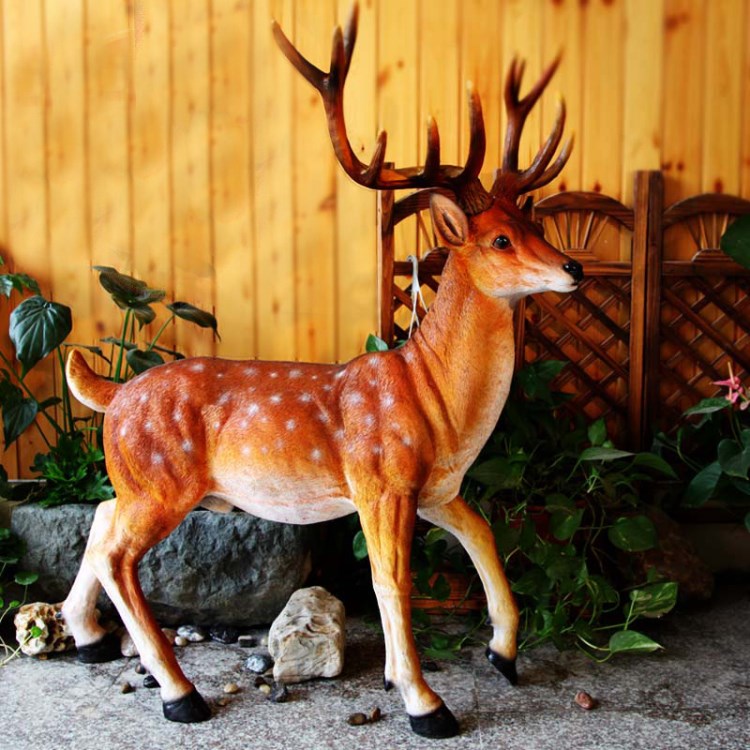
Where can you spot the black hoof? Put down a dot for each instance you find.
(187, 710)
(387, 684)
(506, 667)
(439, 724)
(107, 648)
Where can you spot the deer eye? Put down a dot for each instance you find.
(501, 242)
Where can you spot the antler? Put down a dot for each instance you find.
(510, 181)
(461, 180)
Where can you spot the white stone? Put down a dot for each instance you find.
(54, 635)
(128, 647)
(308, 638)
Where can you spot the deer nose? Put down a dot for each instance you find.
(575, 269)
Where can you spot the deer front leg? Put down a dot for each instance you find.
(388, 526)
(477, 539)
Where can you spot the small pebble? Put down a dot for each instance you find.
(193, 633)
(127, 687)
(357, 720)
(42, 657)
(231, 687)
(180, 641)
(149, 681)
(140, 669)
(374, 715)
(264, 640)
(222, 701)
(247, 641)
(224, 634)
(259, 663)
(127, 647)
(265, 688)
(585, 701)
(279, 693)
(259, 681)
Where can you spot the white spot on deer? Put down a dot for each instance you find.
(295, 373)
(368, 420)
(251, 371)
(275, 399)
(225, 398)
(143, 398)
(323, 417)
(157, 458)
(278, 444)
(123, 431)
(355, 398)
(264, 450)
(377, 450)
(316, 454)
(340, 374)
(409, 355)
(406, 440)
(243, 424)
(148, 425)
(187, 446)
(197, 367)
(273, 374)
(339, 434)
(252, 409)
(314, 377)
(327, 387)
(290, 424)
(305, 398)
(245, 450)
(217, 425)
(372, 382)
(387, 400)
(219, 374)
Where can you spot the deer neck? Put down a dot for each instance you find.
(462, 357)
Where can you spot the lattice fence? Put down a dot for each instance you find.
(644, 337)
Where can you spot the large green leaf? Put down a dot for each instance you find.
(563, 524)
(654, 600)
(708, 406)
(631, 641)
(633, 533)
(536, 377)
(127, 291)
(37, 327)
(736, 241)
(375, 344)
(141, 361)
(654, 462)
(597, 432)
(18, 412)
(498, 473)
(702, 486)
(201, 318)
(603, 454)
(359, 545)
(734, 458)
(18, 282)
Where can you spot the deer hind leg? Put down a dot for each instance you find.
(93, 642)
(388, 525)
(477, 539)
(135, 527)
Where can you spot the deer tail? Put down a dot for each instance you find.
(90, 389)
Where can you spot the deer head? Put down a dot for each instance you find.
(504, 250)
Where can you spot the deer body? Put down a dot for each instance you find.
(389, 435)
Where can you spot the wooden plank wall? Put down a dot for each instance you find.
(171, 139)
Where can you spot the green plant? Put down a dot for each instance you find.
(73, 465)
(12, 549)
(712, 449)
(564, 505)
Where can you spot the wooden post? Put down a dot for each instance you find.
(645, 305)
(385, 265)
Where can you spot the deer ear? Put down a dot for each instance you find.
(449, 221)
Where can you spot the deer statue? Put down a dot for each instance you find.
(388, 435)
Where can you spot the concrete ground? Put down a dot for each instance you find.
(695, 695)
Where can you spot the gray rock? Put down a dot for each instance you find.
(231, 568)
(307, 639)
(259, 663)
(192, 633)
(224, 634)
